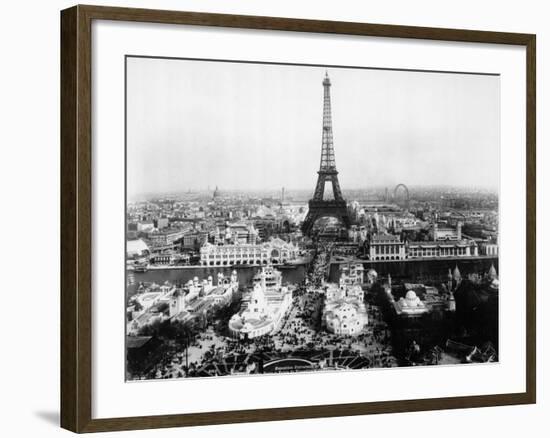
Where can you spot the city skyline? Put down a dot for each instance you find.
(307, 192)
(269, 117)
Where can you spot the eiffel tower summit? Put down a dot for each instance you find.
(318, 206)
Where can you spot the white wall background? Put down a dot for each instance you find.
(29, 218)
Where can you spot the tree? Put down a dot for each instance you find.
(197, 245)
(152, 329)
(184, 331)
(137, 305)
(163, 307)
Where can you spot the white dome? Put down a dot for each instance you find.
(411, 295)
(411, 300)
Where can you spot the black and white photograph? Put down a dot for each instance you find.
(275, 218)
(288, 218)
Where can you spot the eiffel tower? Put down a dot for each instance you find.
(319, 207)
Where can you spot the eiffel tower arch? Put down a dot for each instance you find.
(318, 206)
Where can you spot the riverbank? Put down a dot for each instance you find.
(344, 260)
(421, 269)
(245, 275)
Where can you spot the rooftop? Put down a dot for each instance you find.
(440, 243)
(385, 238)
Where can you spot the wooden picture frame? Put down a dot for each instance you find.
(76, 217)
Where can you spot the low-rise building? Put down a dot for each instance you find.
(264, 307)
(439, 232)
(194, 239)
(276, 251)
(410, 305)
(167, 236)
(450, 248)
(345, 312)
(351, 274)
(161, 223)
(169, 258)
(417, 299)
(488, 248)
(145, 227)
(236, 233)
(386, 247)
(198, 296)
(391, 247)
(148, 302)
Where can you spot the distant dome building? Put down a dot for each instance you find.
(410, 304)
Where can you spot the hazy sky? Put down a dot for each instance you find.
(194, 124)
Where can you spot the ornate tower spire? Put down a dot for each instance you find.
(318, 207)
(492, 272)
(327, 152)
(456, 274)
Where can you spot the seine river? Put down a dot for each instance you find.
(412, 270)
(178, 276)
